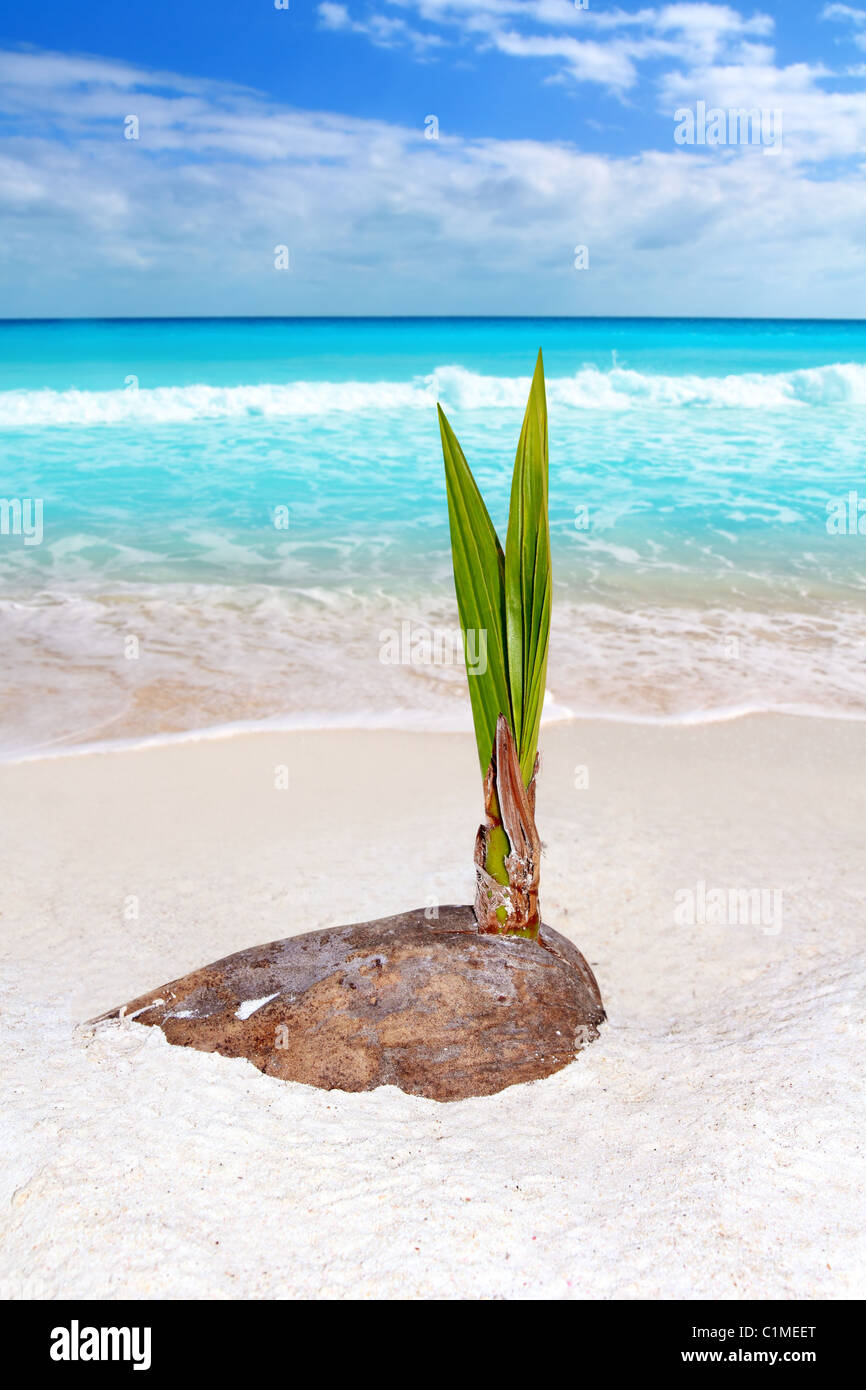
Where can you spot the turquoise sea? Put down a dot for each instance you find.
(238, 515)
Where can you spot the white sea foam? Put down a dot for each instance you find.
(841, 383)
(222, 660)
(426, 722)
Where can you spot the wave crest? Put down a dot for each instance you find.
(619, 388)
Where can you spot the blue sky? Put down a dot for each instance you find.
(307, 128)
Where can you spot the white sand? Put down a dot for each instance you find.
(709, 1144)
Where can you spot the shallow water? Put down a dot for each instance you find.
(245, 520)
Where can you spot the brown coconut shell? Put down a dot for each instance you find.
(431, 1006)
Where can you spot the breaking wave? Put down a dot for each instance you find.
(619, 388)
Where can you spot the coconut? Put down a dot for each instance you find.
(426, 1003)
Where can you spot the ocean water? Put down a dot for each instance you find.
(244, 521)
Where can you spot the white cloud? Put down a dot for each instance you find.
(602, 46)
(844, 12)
(380, 220)
(849, 15)
(334, 16)
(380, 29)
(584, 60)
(818, 125)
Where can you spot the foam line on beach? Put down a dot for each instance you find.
(414, 722)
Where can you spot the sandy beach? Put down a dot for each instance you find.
(709, 1144)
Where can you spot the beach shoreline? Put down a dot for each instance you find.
(705, 1146)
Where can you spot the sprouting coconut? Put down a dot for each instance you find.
(474, 1000)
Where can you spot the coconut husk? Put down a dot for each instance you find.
(426, 1003)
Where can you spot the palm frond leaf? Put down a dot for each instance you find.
(528, 576)
(479, 580)
(505, 595)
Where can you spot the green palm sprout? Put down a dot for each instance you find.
(506, 595)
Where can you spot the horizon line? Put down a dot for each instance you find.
(426, 318)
